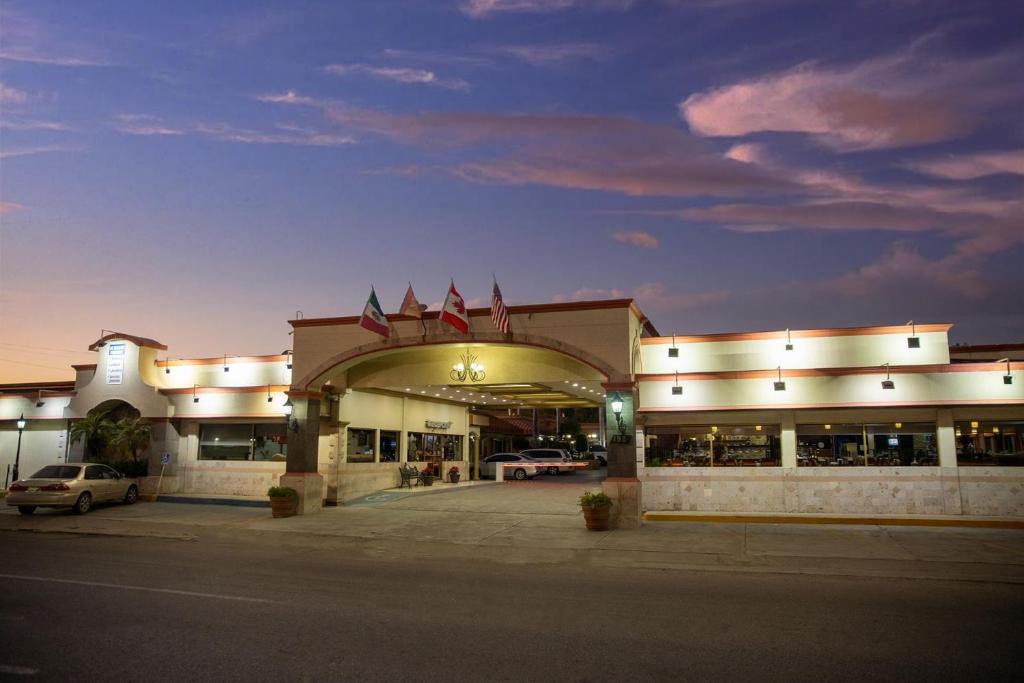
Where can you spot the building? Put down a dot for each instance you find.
(855, 420)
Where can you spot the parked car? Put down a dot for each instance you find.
(71, 485)
(489, 468)
(600, 454)
(552, 455)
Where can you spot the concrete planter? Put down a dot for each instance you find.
(596, 517)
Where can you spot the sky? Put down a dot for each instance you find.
(200, 172)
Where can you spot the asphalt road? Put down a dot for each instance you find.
(143, 609)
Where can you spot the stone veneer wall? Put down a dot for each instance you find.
(862, 490)
(357, 479)
(244, 478)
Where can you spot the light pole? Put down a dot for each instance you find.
(17, 454)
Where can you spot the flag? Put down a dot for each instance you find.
(499, 312)
(410, 306)
(373, 316)
(454, 310)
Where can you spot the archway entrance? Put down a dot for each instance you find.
(443, 407)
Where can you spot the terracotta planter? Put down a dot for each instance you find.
(454, 477)
(428, 480)
(596, 517)
(285, 506)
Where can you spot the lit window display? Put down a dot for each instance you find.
(713, 446)
(888, 444)
(266, 442)
(360, 445)
(987, 442)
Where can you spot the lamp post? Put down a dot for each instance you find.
(17, 453)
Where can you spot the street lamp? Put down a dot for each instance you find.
(17, 454)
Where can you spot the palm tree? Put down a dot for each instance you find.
(95, 428)
(131, 433)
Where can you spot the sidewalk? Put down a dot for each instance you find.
(433, 528)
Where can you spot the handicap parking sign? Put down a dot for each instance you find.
(165, 459)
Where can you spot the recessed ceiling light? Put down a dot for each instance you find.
(408, 389)
(422, 392)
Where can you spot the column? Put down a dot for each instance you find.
(302, 469)
(622, 484)
(946, 435)
(788, 439)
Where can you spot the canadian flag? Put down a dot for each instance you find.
(454, 310)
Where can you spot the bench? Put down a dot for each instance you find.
(409, 473)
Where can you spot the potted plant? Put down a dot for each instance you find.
(284, 501)
(427, 476)
(596, 508)
(454, 475)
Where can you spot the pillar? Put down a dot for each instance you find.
(788, 440)
(622, 485)
(601, 435)
(946, 435)
(302, 469)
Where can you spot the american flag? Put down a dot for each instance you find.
(499, 313)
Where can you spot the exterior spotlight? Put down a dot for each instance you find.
(674, 351)
(779, 384)
(1007, 378)
(195, 399)
(913, 341)
(103, 342)
(789, 341)
(226, 368)
(828, 426)
(898, 425)
(677, 390)
(288, 363)
(270, 398)
(757, 428)
(167, 368)
(887, 383)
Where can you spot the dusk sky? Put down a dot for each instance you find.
(197, 172)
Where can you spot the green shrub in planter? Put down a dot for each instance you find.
(282, 492)
(595, 500)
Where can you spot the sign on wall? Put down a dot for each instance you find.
(434, 424)
(115, 362)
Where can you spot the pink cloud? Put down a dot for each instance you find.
(637, 238)
(969, 166)
(397, 75)
(8, 207)
(481, 9)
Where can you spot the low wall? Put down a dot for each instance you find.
(357, 479)
(230, 478)
(997, 491)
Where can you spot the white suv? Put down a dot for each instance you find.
(550, 455)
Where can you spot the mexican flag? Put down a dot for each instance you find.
(373, 317)
(454, 310)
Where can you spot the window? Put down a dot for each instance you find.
(990, 442)
(361, 445)
(888, 444)
(57, 472)
(713, 445)
(94, 472)
(265, 441)
(389, 446)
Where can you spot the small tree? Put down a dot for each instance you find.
(96, 429)
(132, 434)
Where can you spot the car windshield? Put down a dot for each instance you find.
(57, 472)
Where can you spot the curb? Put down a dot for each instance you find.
(977, 523)
(214, 501)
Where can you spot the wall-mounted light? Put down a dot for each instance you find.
(898, 425)
(21, 422)
(287, 407)
(887, 383)
(789, 341)
(167, 368)
(1007, 378)
(677, 390)
(995, 430)
(270, 398)
(828, 426)
(673, 352)
(714, 429)
(757, 428)
(913, 341)
(195, 399)
(617, 405)
(288, 360)
(103, 342)
(226, 368)
(779, 384)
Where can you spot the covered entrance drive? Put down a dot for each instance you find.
(363, 406)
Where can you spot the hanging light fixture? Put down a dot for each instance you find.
(887, 383)
(467, 368)
(913, 341)
(779, 384)
(1007, 378)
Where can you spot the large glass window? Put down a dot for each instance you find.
(225, 441)
(389, 446)
(270, 442)
(361, 445)
(713, 446)
(860, 445)
(990, 442)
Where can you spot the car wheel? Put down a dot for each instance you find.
(83, 504)
(519, 474)
(601, 462)
(132, 495)
(26, 509)
(552, 470)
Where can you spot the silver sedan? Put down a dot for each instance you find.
(71, 485)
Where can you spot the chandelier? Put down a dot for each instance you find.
(467, 368)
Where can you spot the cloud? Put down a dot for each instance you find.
(144, 124)
(589, 294)
(481, 9)
(637, 238)
(909, 98)
(12, 96)
(31, 57)
(970, 166)
(397, 75)
(28, 124)
(12, 152)
(548, 55)
(8, 207)
(903, 266)
(288, 135)
(574, 151)
(288, 97)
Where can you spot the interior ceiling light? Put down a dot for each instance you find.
(887, 383)
(913, 341)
